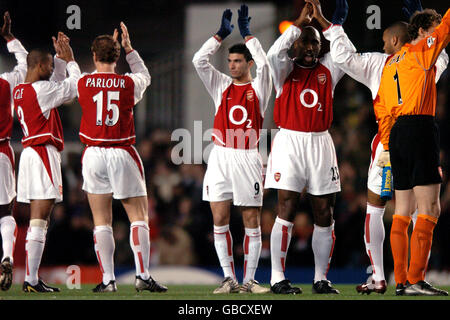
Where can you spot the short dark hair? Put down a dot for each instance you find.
(400, 29)
(106, 49)
(37, 56)
(422, 19)
(242, 49)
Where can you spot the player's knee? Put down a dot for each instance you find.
(323, 218)
(5, 210)
(286, 209)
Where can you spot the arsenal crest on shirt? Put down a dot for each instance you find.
(277, 176)
(322, 78)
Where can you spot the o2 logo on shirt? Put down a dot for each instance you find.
(243, 119)
(307, 93)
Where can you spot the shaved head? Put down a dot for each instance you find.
(37, 56)
(395, 36)
(307, 47)
(310, 32)
(400, 30)
(40, 64)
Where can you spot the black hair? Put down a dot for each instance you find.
(242, 49)
(400, 29)
(37, 56)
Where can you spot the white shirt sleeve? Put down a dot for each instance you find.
(215, 81)
(17, 75)
(140, 75)
(59, 71)
(281, 64)
(441, 64)
(263, 81)
(336, 72)
(366, 68)
(52, 94)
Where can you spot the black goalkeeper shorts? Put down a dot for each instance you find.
(414, 152)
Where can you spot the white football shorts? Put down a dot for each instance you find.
(234, 174)
(8, 178)
(301, 160)
(39, 176)
(374, 176)
(113, 170)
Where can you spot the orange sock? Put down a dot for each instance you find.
(421, 240)
(399, 247)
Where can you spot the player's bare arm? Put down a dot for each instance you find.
(125, 38)
(305, 16)
(6, 28)
(317, 13)
(66, 52)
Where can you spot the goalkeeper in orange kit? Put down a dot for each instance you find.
(409, 94)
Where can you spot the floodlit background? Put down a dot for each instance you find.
(167, 34)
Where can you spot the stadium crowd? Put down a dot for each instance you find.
(180, 222)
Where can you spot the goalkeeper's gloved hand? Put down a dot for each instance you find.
(244, 21)
(384, 159)
(340, 13)
(226, 27)
(410, 7)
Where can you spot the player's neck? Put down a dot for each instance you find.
(32, 77)
(417, 40)
(105, 67)
(242, 80)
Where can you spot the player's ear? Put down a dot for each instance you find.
(250, 64)
(422, 32)
(394, 40)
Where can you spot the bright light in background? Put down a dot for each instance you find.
(284, 25)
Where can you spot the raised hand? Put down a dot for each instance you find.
(305, 16)
(125, 36)
(65, 51)
(244, 21)
(340, 13)
(410, 7)
(115, 35)
(6, 29)
(225, 27)
(317, 13)
(61, 36)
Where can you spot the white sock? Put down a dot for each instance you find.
(280, 238)
(104, 249)
(252, 251)
(374, 235)
(8, 230)
(223, 242)
(140, 244)
(34, 248)
(322, 244)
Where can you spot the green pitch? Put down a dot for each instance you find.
(201, 292)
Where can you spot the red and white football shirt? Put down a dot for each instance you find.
(8, 81)
(239, 107)
(107, 101)
(304, 95)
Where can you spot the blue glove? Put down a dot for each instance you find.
(226, 27)
(244, 21)
(410, 7)
(340, 14)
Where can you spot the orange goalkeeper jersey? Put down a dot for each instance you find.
(408, 84)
